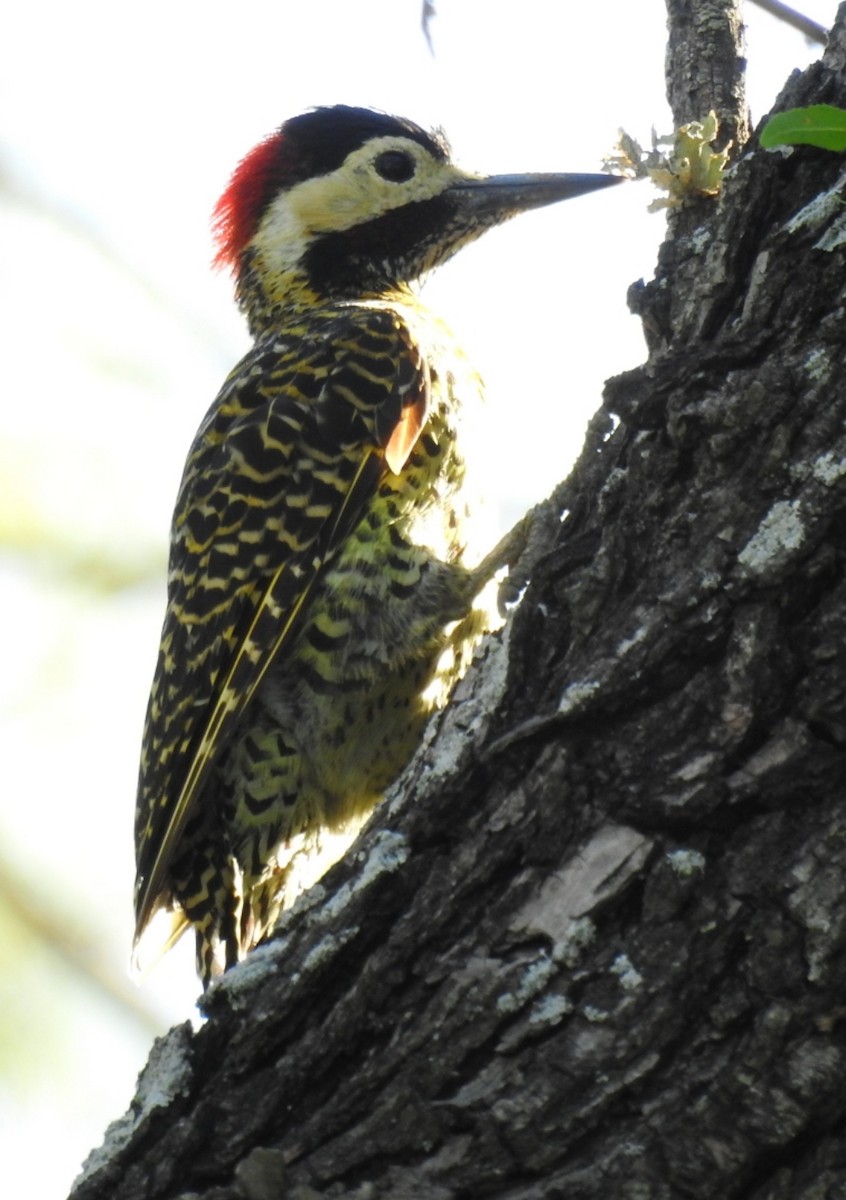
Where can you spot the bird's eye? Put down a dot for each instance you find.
(395, 165)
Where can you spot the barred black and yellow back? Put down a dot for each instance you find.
(316, 570)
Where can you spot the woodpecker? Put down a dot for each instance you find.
(318, 588)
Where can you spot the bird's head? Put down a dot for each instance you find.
(348, 203)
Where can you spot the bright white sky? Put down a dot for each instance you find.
(127, 123)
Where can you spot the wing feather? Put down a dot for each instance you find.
(282, 468)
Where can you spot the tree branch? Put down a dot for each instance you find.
(706, 65)
(810, 29)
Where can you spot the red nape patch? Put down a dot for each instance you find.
(239, 210)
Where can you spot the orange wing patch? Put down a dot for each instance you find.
(405, 433)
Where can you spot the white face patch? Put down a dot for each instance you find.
(350, 195)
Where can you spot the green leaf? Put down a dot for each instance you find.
(820, 125)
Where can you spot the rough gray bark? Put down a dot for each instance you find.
(594, 944)
(705, 65)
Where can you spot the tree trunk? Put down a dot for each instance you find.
(593, 945)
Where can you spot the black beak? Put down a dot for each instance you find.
(505, 195)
